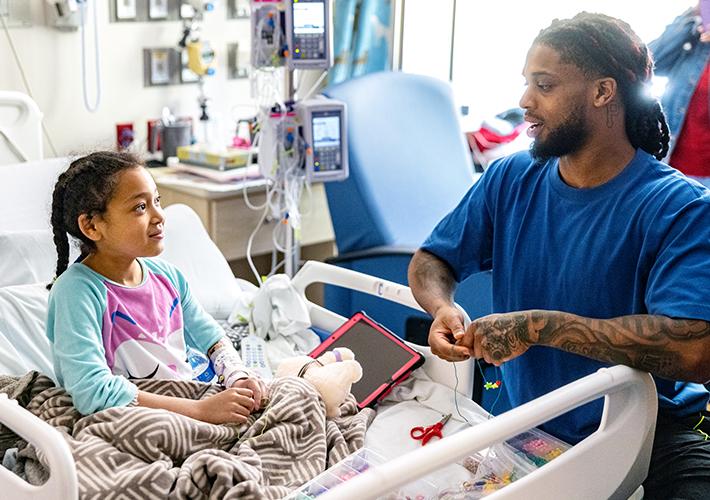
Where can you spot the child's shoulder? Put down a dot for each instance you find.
(77, 280)
(165, 268)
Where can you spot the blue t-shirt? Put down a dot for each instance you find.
(638, 244)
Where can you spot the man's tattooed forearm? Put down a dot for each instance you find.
(643, 342)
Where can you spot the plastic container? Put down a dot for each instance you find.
(504, 463)
(351, 466)
(537, 447)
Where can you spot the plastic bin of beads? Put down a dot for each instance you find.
(355, 464)
(537, 447)
(491, 470)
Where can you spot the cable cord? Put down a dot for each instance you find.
(25, 81)
(97, 59)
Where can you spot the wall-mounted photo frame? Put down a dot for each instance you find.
(125, 10)
(157, 9)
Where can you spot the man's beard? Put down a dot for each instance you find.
(567, 138)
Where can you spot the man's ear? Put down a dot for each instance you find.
(89, 226)
(605, 90)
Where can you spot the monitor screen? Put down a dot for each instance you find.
(326, 130)
(308, 18)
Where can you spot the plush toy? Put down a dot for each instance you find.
(332, 374)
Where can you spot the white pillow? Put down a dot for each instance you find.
(28, 257)
(190, 249)
(23, 340)
(26, 193)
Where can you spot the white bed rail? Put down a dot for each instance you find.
(318, 272)
(611, 463)
(62, 472)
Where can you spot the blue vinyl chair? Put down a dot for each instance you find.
(409, 166)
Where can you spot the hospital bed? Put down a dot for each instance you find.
(611, 463)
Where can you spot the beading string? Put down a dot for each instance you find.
(456, 402)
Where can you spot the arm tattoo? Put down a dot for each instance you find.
(657, 344)
(505, 335)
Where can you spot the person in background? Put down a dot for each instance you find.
(120, 314)
(599, 252)
(682, 54)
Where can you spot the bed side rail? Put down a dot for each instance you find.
(611, 463)
(62, 482)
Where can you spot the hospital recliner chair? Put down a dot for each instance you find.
(409, 166)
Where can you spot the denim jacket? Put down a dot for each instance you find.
(679, 55)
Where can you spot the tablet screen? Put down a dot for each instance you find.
(379, 352)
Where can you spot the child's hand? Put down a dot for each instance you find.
(232, 405)
(257, 387)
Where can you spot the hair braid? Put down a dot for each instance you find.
(61, 240)
(604, 46)
(85, 187)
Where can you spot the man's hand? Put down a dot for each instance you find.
(256, 386)
(446, 329)
(498, 337)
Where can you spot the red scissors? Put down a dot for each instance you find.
(433, 431)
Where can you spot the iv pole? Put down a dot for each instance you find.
(292, 254)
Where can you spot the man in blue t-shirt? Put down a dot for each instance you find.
(600, 253)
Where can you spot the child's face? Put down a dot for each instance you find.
(132, 225)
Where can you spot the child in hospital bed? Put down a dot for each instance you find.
(118, 314)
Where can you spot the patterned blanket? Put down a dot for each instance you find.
(134, 452)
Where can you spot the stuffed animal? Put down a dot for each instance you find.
(332, 374)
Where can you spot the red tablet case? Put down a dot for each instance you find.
(386, 360)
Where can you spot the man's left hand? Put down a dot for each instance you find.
(498, 337)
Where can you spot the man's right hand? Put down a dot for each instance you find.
(446, 329)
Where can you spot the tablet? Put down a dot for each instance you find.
(385, 359)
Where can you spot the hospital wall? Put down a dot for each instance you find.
(52, 62)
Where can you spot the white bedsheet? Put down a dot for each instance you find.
(419, 401)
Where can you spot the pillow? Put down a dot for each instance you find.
(190, 249)
(26, 193)
(28, 257)
(23, 340)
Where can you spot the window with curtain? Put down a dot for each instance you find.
(491, 39)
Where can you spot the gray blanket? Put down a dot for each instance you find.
(134, 452)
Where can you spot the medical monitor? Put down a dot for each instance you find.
(308, 34)
(324, 128)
